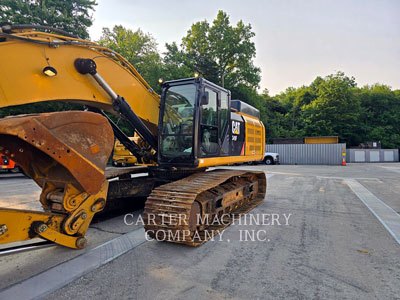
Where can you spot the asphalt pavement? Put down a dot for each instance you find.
(323, 232)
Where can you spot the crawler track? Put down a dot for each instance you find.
(171, 211)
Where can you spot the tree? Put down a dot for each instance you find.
(72, 16)
(273, 117)
(380, 117)
(175, 64)
(220, 52)
(139, 48)
(334, 105)
(335, 111)
(199, 55)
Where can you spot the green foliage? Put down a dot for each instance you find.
(72, 16)
(219, 52)
(40, 107)
(335, 106)
(139, 48)
(380, 118)
(175, 65)
(335, 111)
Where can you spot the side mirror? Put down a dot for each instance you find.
(204, 99)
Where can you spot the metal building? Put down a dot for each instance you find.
(308, 154)
(372, 155)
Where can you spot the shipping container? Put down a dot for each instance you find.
(321, 140)
(308, 154)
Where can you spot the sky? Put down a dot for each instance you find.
(296, 41)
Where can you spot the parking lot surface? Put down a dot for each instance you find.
(323, 232)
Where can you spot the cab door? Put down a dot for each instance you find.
(209, 133)
(214, 123)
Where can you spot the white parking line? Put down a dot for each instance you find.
(383, 212)
(348, 178)
(393, 169)
(55, 278)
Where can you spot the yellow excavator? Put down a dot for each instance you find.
(191, 126)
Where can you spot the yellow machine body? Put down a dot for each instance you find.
(254, 145)
(122, 156)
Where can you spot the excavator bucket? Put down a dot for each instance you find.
(65, 153)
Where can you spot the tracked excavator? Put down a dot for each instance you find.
(192, 126)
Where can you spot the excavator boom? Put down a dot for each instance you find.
(28, 57)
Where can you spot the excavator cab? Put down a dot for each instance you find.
(194, 122)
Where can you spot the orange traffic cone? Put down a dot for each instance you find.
(343, 162)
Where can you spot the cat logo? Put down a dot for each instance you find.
(235, 127)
